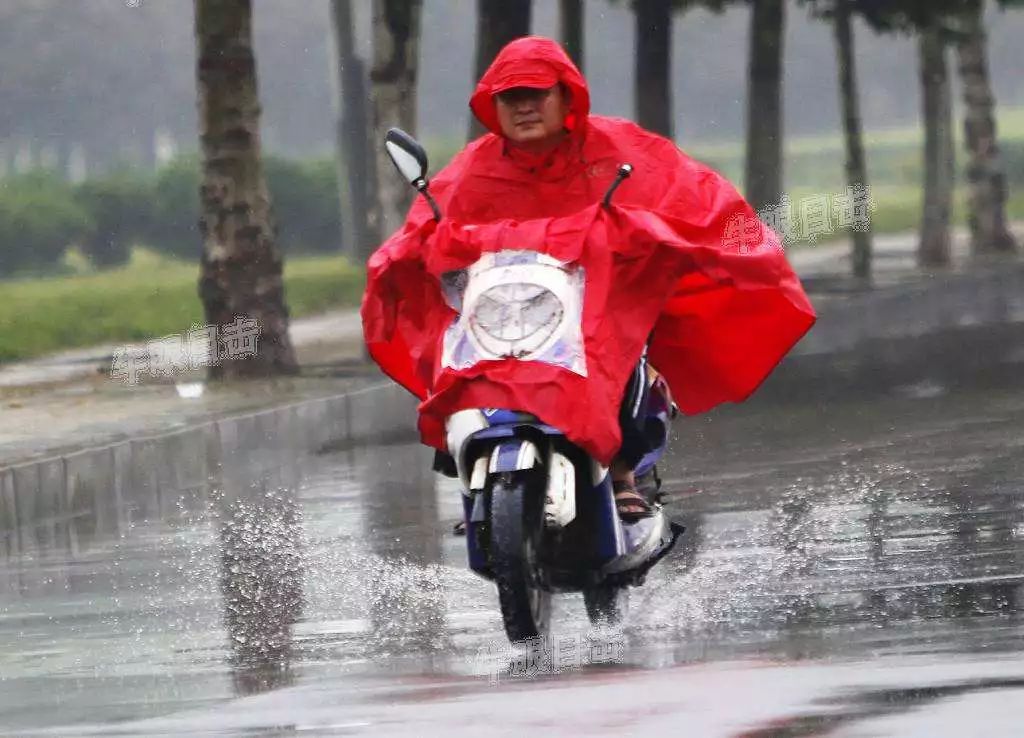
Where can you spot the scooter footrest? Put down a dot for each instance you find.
(635, 577)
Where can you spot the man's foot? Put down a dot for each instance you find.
(630, 504)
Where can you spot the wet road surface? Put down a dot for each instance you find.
(851, 569)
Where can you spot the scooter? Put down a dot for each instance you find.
(539, 512)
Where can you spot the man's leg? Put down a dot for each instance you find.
(631, 505)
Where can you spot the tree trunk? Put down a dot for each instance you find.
(357, 168)
(934, 247)
(497, 23)
(986, 176)
(241, 266)
(653, 88)
(763, 171)
(570, 15)
(849, 101)
(396, 40)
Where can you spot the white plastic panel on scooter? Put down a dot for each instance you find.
(560, 500)
(460, 426)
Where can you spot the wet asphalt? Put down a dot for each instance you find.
(852, 567)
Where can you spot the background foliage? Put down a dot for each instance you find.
(41, 216)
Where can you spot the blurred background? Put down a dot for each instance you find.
(99, 152)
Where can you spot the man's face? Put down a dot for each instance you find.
(529, 115)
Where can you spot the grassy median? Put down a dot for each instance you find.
(151, 296)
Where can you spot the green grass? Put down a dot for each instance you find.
(151, 296)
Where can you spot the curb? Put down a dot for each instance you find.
(102, 491)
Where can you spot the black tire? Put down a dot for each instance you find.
(606, 604)
(517, 528)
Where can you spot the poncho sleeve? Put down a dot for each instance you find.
(740, 307)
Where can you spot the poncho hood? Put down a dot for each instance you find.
(531, 61)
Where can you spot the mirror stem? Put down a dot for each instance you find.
(624, 171)
(421, 185)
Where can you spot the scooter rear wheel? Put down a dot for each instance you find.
(517, 529)
(606, 604)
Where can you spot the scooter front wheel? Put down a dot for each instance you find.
(517, 531)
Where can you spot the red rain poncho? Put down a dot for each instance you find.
(721, 309)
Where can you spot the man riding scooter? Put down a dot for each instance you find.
(729, 319)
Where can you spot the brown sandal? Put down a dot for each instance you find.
(630, 504)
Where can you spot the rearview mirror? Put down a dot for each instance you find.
(410, 160)
(408, 156)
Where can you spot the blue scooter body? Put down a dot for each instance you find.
(599, 547)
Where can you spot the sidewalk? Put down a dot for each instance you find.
(68, 400)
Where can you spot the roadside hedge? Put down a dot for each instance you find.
(41, 216)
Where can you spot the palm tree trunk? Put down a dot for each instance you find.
(357, 175)
(241, 266)
(497, 23)
(934, 247)
(986, 176)
(849, 100)
(396, 40)
(653, 89)
(570, 14)
(763, 171)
